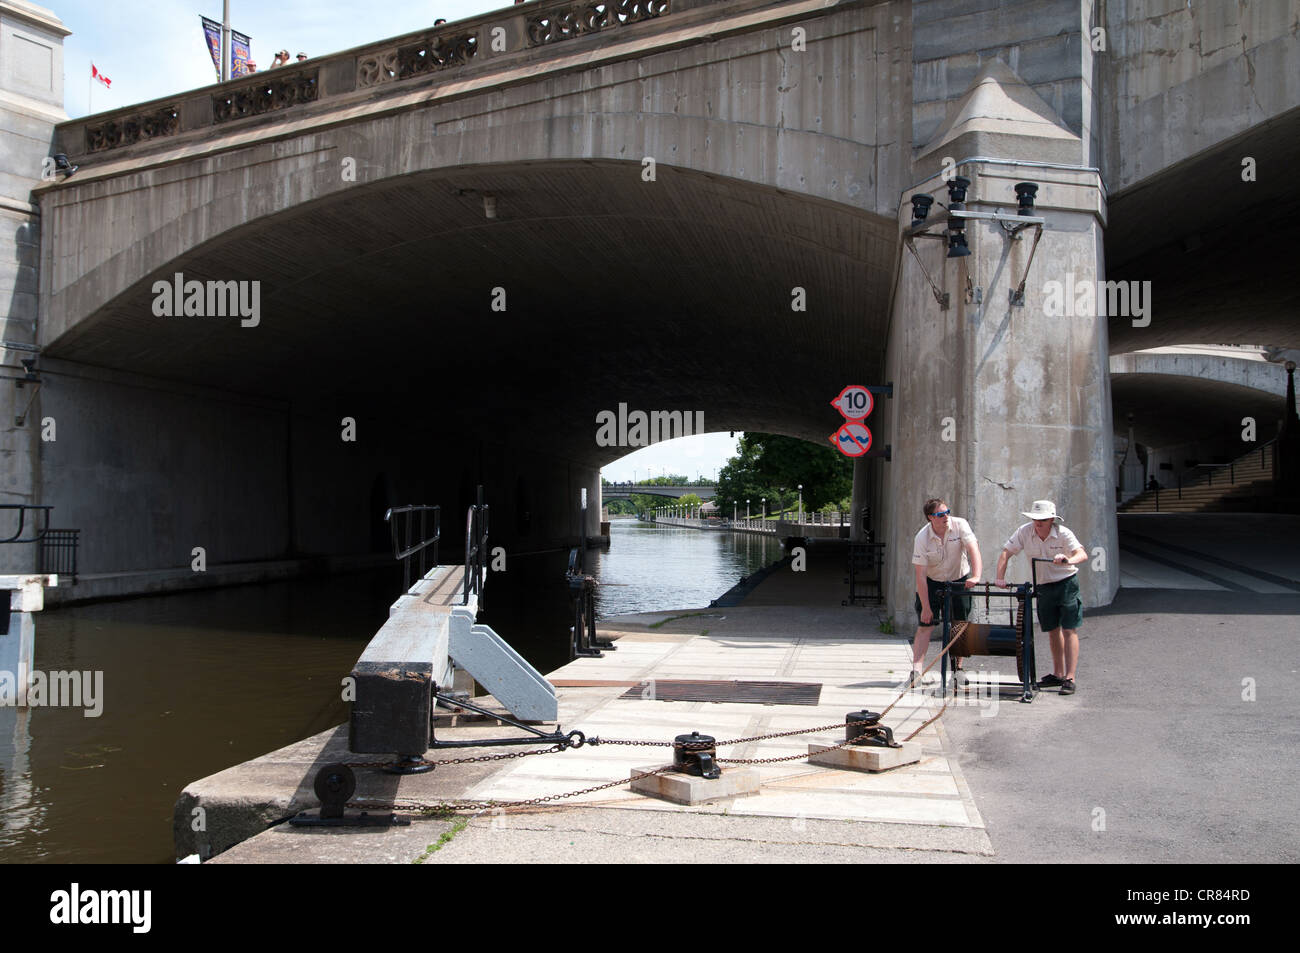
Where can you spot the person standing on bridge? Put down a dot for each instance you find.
(1060, 610)
(945, 550)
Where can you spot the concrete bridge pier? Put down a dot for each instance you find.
(997, 404)
(31, 104)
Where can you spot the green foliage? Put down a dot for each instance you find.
(443, 840)
(690, 499)
(773, 466)
(645, 502)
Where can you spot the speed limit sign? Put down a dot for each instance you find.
(854, 403)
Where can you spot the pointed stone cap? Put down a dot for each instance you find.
(1001, 116)
(36, 15)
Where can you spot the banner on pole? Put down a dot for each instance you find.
(240, 55)
(212, 33)
(239, 47)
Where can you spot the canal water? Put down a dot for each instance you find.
(197, 682)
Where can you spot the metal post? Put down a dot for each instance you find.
(947, 637)
(225, 40)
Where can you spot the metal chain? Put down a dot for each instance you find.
(796, 757)
(452, 806)
(473, 760)
(688, 746)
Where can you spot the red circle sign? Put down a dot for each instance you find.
(854, 402)
(852, 440)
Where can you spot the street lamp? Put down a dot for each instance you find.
(764, 502)
(800, 502)
(747, 514)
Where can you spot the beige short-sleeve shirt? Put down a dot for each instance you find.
(944, 559)
(1059, 540)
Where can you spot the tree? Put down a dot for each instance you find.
(773, 466)
(646, 502)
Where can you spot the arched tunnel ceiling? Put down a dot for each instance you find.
(665, 295)
(1169, 410)
(1218, 250)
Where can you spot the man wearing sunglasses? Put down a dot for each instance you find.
(945, 550)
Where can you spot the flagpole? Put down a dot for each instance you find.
(225, 40)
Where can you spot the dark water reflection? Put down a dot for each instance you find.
(197, 682)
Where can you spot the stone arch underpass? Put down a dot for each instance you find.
(467, 350)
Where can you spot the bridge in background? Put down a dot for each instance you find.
(623, 491)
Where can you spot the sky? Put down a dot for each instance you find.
(701, 455)
(154, 48)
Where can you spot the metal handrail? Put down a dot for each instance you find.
(1196, 482)
(405, 549)
(22, 509)
(476, 536)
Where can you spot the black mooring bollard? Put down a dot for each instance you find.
(863, 728)
(696, 754)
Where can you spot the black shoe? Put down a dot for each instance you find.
(1050, 681)
(1067, 687)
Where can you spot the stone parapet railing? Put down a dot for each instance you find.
(518, 34)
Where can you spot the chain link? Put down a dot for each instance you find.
(455, 805)
(473, 760)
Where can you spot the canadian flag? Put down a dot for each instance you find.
(100, 76)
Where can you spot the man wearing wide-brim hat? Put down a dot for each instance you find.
(1060, 608)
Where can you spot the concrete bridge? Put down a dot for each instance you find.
(623, 491)
(414, 248)
(1186, 405)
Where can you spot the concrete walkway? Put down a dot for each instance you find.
(1246, 552)
(802, 812)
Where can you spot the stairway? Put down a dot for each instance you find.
(1223, 489)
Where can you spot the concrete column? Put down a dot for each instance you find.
(592, 526)
(997, 405)
(31, 102)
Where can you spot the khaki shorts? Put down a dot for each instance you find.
(1059, 605)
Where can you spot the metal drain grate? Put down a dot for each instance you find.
(749, 693)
